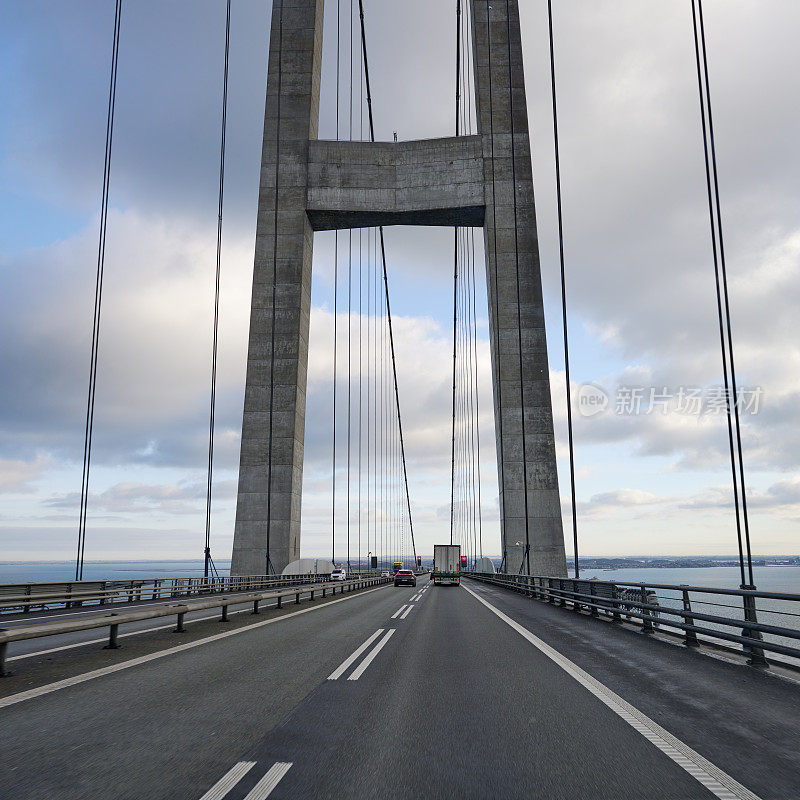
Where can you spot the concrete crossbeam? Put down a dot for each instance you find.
(426, 182)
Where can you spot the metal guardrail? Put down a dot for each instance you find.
(677, 609)
(114, 619)
(25, 597)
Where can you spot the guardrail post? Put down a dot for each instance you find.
(615, 615)
(312, 595)
(3, 651)
(180, 628)
(593, 608)
(690, 637)
(647, 622)
(280, 604)
(255, 607)
(756, 652)
(113, 630)
(562, 601)
(576, 603)
(27, 609)
(297, 599)
(224, 617)
(103, 596)
(323, 591)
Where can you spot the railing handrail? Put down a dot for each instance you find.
(678, 587)
(638, 600)
(159, 588)
(114, 619)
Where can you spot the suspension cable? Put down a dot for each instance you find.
(455, 286)
(563, 285)
(386, 290)
(98, 296)
(715, 222)
(723, 266)
(207, 551)
(335, 301)
(527, 554)
(498, 383)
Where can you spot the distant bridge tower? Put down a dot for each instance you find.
(479, 180)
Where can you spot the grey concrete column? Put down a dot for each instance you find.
(521, 394)
(278, 375)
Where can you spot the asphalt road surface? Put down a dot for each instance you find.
(463, 692)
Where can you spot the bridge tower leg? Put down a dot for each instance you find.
(278, 363)
(521, 385)
(477, 180)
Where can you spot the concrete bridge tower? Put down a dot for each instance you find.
(309, 185)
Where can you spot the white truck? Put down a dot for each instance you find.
(446, 564)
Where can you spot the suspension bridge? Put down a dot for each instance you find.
(279, 681)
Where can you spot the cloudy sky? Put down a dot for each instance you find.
(653, 477)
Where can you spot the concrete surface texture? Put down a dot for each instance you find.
(484, 179)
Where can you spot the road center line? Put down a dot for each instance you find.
(49, 688)
(719, 783)
(398, 612)
(264, 787)
(406, 612)
(359, 670)
(340, 670)
(228, 781)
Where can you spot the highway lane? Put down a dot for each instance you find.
(457, 704)
(398, 691)
(166, 728)
(742, 719)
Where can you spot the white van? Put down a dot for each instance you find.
(339, 575)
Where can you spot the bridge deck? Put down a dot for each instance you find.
(456, 702)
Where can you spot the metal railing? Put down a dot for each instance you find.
(757, 621)
(114, 619)
(26, 597)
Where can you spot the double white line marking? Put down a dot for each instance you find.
(260, 791)
(350, 660)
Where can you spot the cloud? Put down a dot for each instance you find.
(18, 476)
(132, 497)
(640, 280)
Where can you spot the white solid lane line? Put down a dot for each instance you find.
(398, 612)
(30, 694)
(406, 612)
(359, 670)
(264, 787)
(228, 781)
(340, 670)
(719, 783)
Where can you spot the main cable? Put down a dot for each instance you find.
(98, 296)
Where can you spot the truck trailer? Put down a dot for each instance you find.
(446, 564)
